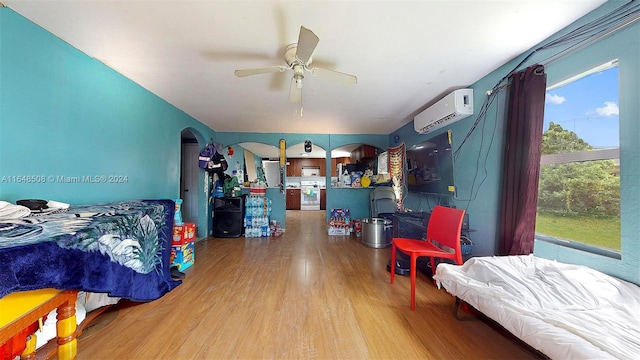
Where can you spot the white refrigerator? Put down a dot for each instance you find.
(271, 172)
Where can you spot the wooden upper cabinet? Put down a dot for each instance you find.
(308, 162)
(294, 168)
(296, 164)
(289, 167)
(363, 152)
(368, 151)
(305, 162)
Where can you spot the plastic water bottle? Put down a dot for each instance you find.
(177, 215)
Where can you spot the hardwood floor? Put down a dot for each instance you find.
(303, 295)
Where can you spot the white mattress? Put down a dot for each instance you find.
(564, 311)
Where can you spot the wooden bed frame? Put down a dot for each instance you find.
(49, 350)
(21, 309)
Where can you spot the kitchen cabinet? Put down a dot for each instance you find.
(293, 199)
(368, 151)
(294, 168)
(362, 153)
(313, 162)
(323, 199)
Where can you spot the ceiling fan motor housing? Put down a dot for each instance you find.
(291, 58)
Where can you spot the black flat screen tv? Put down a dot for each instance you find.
(430, 166)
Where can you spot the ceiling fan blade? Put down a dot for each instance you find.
(307, 42)
(335, 76)
(258, 71)
(295, 92)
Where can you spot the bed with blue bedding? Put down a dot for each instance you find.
(121, 249)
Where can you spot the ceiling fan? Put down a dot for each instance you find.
(298, 59)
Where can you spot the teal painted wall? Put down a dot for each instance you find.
(476, 172)
(64, 114)
(478, 168)
(235, 161)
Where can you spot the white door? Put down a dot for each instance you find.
(189, 183)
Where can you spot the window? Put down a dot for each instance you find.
(579, 189)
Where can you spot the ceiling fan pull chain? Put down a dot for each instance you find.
(301, 107)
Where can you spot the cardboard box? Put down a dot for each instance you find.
(339, 231)
(183, 256)
(189, 232)
(340, 222)
(343, 214)
(183, 234)
(177, 238)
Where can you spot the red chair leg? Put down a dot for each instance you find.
(433, 266)
(413, 282)
(393, 261)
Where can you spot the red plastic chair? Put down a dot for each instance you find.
(443, 241)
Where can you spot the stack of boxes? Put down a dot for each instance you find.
(256, 216)
(182, 246)
(340, 222)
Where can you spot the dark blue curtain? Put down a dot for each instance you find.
(521, 169)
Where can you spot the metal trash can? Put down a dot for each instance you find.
(377, 232)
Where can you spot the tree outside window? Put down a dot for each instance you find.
(579, 189)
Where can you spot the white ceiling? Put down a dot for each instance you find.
(406, 54)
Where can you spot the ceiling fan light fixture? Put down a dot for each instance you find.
(298, 57)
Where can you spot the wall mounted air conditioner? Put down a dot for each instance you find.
(453, 107)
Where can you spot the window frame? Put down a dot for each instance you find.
(583, 156)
